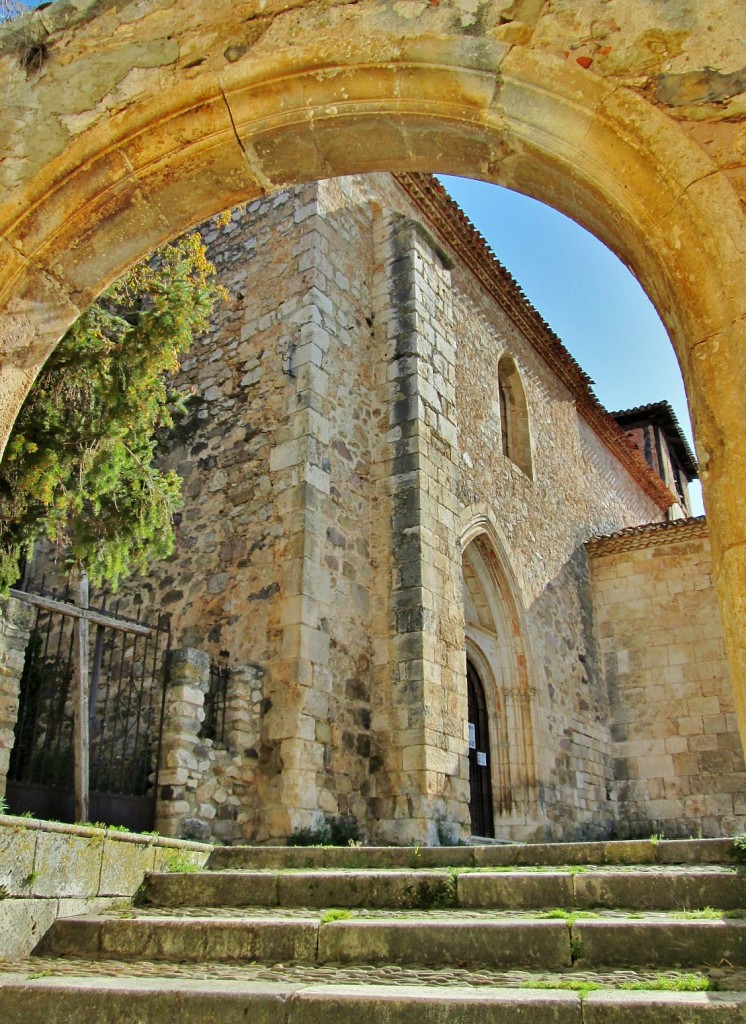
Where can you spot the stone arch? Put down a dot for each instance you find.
(495, 643)
(140, 125)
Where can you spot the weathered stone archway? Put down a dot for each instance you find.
(136, 119)
(496, 646)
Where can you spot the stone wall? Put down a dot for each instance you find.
(678, 763)
(279, 456)
(204, 786)
(16, 620)
(611, 115)
(49, 870)
(344, 438)
(421, 784)
(576, 489)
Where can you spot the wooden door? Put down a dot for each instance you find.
(480, 783)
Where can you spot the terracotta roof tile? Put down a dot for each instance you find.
(647, 534)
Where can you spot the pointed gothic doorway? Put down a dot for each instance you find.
(480, 784)
(502, 768)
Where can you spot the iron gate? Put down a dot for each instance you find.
(216, 701)
(127, 695)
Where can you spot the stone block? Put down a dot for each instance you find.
(141, 1000)
(444, 856)
(340, 1004)
(494, 944)
(369, 857)
(649, 891)
(496, 856)
(560, 853)
(366, 889)
(23, 923)
(17, 851)
(631, 851)
(694, 851)
(210, 889)
(73, 936)
(188, 662)
(68, 865)
(124, 866)
(653, 943)
(515, 890)
(247, 857)
(619, 1007)
(190, 939)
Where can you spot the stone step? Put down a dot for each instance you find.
(633, 851)
(449, 938)
(129, 1000)
(724, 889)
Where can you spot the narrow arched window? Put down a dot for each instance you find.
(514, 427)
(504, 432)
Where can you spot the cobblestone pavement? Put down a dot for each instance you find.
(345, 974)
(659, 869)
(435, 914)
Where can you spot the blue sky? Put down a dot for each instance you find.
(586, 294)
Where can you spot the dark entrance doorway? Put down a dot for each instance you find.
(480, 783)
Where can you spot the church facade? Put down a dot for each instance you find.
(452, 596)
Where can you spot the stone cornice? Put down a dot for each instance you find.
(637, 537)
(447, 219)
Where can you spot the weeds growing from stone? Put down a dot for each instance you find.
(661, 983)
(335, 915)
(571, 916)
(670, 983)
(703, 914)
(567, 984)
(177, 863)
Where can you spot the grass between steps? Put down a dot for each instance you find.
(571, 916)
(335, 915)
(177, 863)
(661, 983)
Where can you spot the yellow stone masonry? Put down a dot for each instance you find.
(124, 124)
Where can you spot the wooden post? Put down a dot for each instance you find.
(81, 734)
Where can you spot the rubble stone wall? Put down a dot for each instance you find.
(16, 621)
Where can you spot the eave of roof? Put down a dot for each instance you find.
(661, 414)
(450, 222)
(636, 537)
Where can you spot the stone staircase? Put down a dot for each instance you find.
(587, 933)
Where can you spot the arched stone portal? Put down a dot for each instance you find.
(496, 655)
(145, 116)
